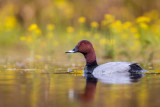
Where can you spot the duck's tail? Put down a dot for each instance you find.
(135, 68)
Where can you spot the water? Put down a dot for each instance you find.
(57, 88)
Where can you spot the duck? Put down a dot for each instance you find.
(85, 47)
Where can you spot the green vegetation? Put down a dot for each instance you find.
(137, 38)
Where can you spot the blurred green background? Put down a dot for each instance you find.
(126, 30)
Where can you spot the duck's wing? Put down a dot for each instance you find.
(113, 67)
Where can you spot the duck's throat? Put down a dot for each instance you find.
(90, 59)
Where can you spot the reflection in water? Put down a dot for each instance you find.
(47, 89)
(116, 78)
(89, 90)
(119, 78)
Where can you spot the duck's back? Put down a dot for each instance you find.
(116, 67)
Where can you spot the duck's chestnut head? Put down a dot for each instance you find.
(83, 47)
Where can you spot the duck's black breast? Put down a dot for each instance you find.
(89, 69)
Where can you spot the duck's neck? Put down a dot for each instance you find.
(90, 59)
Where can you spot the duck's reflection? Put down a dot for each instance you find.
(118, 78)
(89, 90)
(91, 83)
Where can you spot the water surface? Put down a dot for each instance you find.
(57, 88)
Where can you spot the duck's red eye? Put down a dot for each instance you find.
(82, 43)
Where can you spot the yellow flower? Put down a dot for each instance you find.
(117, 26)
(136, 36)
(38, 57)
(133, 29)
(144, 25)
(70, 29)
(82, 20)
(94, 24)
(33, 27)
(22, 38)
(103, 41)
(50, 27)
(127, 24)
(143, 19)
(38, 31)
(109, 18)
(10, 22)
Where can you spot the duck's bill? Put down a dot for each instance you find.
(71, 51)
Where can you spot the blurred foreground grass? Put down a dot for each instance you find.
(113, 38)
